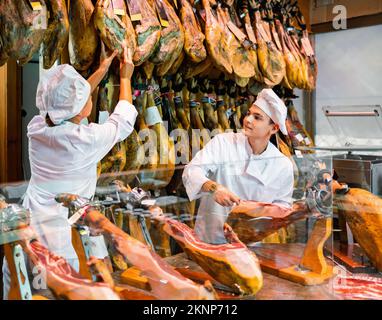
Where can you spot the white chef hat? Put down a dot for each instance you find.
(268, 101)
(62, 93)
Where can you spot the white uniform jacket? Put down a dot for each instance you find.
(228, 159)
(64, 159)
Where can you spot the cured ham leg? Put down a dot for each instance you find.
(232, 264)
(253, 221)
(216, 41)
(194, 37)
(57, 34)
(117, 33)
(165, 281)
(148, 32)
(83, 37)
(62, 279)
(363, 213)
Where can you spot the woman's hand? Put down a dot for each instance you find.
(125, 73)
(224, 197)
(126, 66)
(105, 61)
(106, 58)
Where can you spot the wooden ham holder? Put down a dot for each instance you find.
(20, 288)
(311, 269)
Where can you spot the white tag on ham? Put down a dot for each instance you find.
(152, 116)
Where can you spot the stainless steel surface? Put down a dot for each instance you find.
(352, 114)
(361, 171)
(347, 148)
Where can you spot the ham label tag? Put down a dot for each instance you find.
(162, 14)
(119, 12)
(36, 5)
(299, 138)
(152, 116)
(134, 10)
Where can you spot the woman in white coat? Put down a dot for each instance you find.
(235, 166)
(64, 153)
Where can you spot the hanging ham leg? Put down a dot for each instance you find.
(116, 32)
(194, 38)
(57, 34)
(148, 32)
(217, 44)
(83, 38)
(22, 30)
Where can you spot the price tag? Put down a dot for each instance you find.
(164, 23)
(299, 154)
(162, 14)
(148, 202)
(136, 17)
(307, 141)
(299, 138)
(134, 10)
(152, 116)
(119, 12)
(36, 5)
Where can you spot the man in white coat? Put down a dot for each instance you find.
(235, 166)
(64, 153)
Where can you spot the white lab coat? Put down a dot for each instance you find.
(64, 159)
(228, 159)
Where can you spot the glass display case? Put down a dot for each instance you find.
(357, 209)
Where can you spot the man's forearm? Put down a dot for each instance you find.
(209, 186)
(125, 90)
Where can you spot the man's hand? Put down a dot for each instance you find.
(224, 197)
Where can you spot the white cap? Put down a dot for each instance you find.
(62, 93)
(268, 101)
